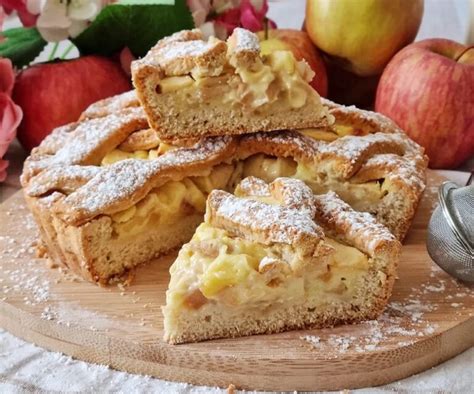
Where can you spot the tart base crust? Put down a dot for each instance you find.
(213, 321)
(92, 252)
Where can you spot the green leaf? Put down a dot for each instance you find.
(137, 26)
(21, 45)
(133, 2)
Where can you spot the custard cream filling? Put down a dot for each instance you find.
(216, 266)
(279, 76)
(176, 198)
(358, 195)
(171, 201)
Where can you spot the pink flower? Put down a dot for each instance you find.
(200, 9)
(126, 58)
(10, 113)
(250, 15)
(2, 17)
(20, 6)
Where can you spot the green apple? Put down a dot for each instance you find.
(363, 35)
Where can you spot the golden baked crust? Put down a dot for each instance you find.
(285, 233)
(110, 105)
(70, 166)
(183, 77)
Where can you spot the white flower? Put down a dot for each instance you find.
(60, 19)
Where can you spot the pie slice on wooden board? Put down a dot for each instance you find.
(274, 258)
(193, 88)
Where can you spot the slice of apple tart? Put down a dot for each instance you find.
(193, 88)
(108, 194)
(274, 258)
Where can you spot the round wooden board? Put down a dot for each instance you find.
(429, 319)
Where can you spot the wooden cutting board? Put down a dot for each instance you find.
(429, 319)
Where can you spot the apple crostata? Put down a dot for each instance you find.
(109, 194)
(193, 88)
(274, 258)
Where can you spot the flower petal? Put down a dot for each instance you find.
(27, 19)
(52, 34)
(7, 76)
(249, 18)
(77, 27)
(82, 10)
(2, 17)
(3, 172)
(10, 118)
(207, 30)
(229, 19)
(199, 5)
(21, 8)
(54, 15)
(35, 6)
(126, 58)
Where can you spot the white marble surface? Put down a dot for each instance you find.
(25, 368)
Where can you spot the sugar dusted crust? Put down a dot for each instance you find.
(258, 222)
(235, 65)
(111, 104)
(263, 223)
(66, 165)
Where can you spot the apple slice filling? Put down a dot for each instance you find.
(279, 76)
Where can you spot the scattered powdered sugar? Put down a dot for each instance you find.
(436, 288)
(431, 196)
(28, 278)
(402, 324)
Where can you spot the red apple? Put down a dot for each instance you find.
(53, 94)
(428, 89)
(299, 43)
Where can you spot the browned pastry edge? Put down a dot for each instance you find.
(406, 172)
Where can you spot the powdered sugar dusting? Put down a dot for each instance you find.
(352, 148)
(358, 227)
(119, 182)
(63, 178)
(111, 105)
(245, 40)
(183, 49)
(263, 222)
(91, 135)
(292, 193)
(404, 169)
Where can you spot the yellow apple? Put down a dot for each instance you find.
(363, 35)
(298, 42)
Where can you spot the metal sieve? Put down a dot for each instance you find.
(450, 241)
